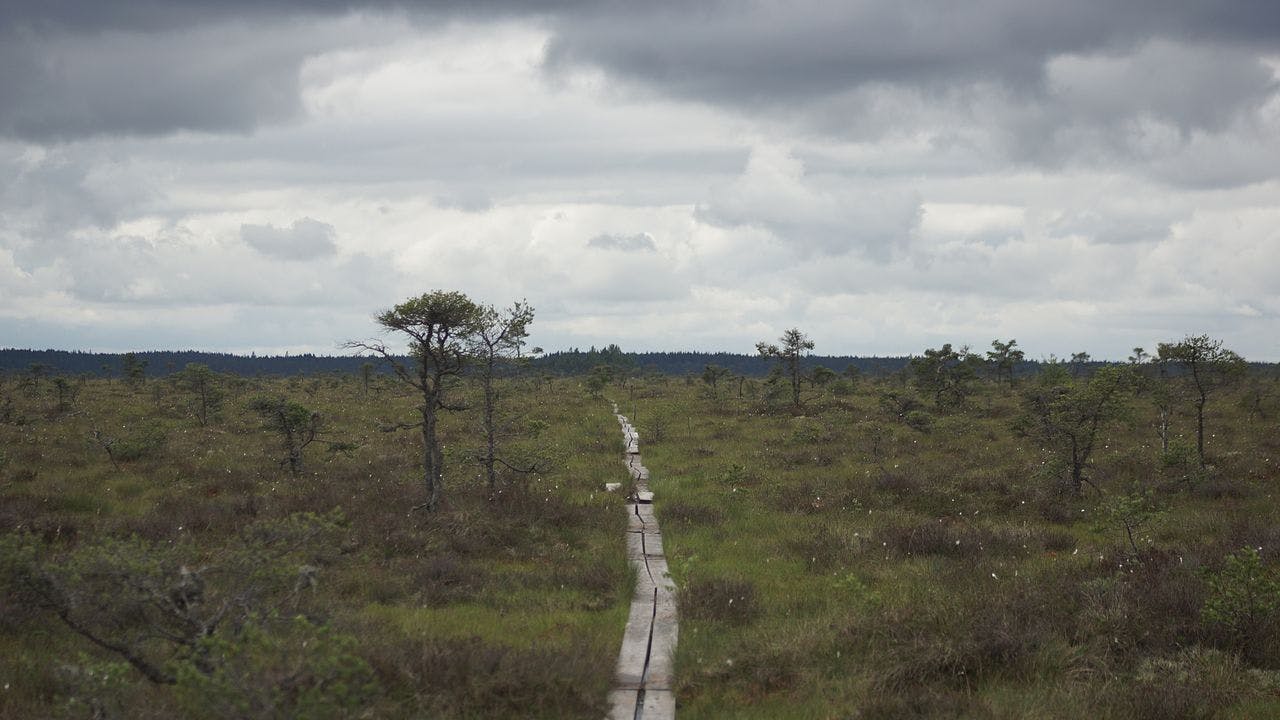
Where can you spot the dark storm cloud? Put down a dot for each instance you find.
(72, 69)
(775, 51)
(212, 79)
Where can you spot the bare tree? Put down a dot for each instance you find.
(439, 325)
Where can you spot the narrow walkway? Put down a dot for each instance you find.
(642, 683)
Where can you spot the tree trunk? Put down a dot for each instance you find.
(490, 430)
(1077, 469)
(431, 455)
(1200, 429)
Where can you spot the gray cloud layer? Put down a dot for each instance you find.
(305, 239)
(885, 173)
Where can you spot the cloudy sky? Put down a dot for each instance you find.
(266, 175)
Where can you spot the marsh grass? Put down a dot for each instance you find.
(506, 607)
(934, 568)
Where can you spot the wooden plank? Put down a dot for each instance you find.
(653, 548)
(645, 670)
(635, 546)
(657, 565)
(622, 704)
(646, 513)
(659, 705)
(629, 673)
(634, 522)
(662, 644)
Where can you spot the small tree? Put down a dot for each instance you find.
(794, 346)
(945, 374)
(712, 374)
(1243, 599)
(821, 376)
(598, 378)
(498, 338)
(1080, 363)
(439, 326)
(202, 383)
(295, 424)
(66, 392)
(366, 375)
(37, 371)
(1210, 367)
(1004, 357)
(1068, 415)
(133, 368)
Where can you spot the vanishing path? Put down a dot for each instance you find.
(642, 683)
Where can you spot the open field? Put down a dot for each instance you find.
(483, 609)
(866, 554)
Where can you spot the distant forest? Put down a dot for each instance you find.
(567, 362)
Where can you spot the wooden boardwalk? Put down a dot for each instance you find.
(643, 680)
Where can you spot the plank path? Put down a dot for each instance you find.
(642, 687)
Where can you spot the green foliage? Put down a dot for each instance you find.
(945, 374)
(1209, 367)
(294, 423)
(794, 346)
(207, 395)
(270, 667)
(1243, 596)
(1067, 415)
(1004, 357)
(599, 378)
(133, 369)
(145, 442)
(1130, 512)
(821, 376)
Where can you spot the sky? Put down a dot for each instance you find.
(267, 175)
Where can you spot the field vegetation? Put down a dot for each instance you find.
(959, 541)
(204, 545)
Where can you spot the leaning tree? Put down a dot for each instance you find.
(439, 326)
